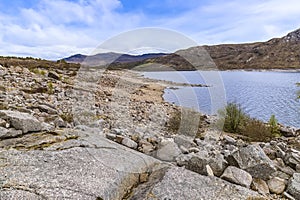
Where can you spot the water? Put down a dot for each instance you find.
(261, 94)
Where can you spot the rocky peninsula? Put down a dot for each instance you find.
(71, 132)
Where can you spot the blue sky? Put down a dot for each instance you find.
(53, 29)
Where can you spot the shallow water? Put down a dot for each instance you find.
(261, 94)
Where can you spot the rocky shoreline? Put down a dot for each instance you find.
(100, 134)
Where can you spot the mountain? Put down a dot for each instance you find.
(110, 58)
(277, 53)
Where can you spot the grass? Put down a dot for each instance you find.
(67, 117)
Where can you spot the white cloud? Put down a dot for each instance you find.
(54, 29)
(58, 28)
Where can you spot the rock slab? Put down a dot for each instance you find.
(21, 121)
(237, 176)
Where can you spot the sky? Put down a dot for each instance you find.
(54, 29)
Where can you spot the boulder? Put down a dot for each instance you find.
(292, 158)
(197, 162)
(276, 185)
(129, 143)
(294, 186)
(184, 141)
(21, 121)
(287, 131)
(260, 186)
(229, 140)
(168, 151)
(237, 176)
(90, 168)
(253, 160)
(181, 184)
(9, 133)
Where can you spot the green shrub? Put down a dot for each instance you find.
(234, 118)
(273, 124)
(50, 87)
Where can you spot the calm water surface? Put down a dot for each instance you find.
(261, 94)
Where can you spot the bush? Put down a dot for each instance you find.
(237, 121)
(234, 118)
(273, 124)
(256, 131)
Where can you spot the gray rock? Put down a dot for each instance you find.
(260, 186)
(292, 158)
(184, 141)
(59, 122)
(168, 151)
(104, 170)
(237, 176)
(3, 132)
(53, 75)
(129, 143)
(253, 160)
(110, 136)
(2, 123)
(9, 133)
(294, 186)
(181, 184)
(47, 109)
(184, 150)
(287, 131)
(276, 185)
(280, 165)
(21, 121)
(197, 162)
(209, 171)
(229, 140)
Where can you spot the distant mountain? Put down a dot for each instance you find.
(110, 58)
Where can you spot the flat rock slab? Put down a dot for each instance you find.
(21, 121)
(238, 176)
(98, 169)
(179, 183)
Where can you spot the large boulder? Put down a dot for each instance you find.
(253, 160)
(91, 167)
(237, 176)
(181, 184)
(197, 162)
(21, 121)
(294, 186)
